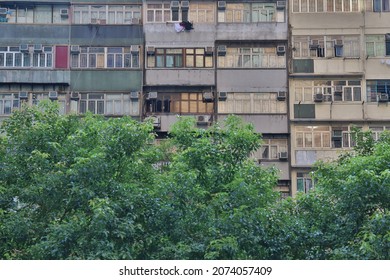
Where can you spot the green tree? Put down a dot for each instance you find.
(345, 217)
(69, 184)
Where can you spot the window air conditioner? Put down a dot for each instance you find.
(134, 49)
(208, 51)
(318, 97)
(337, 134)
(64, 13)
(175, 5)
(221, 50)
(283, 156)
(23, 95)
(221, 5)
(280, 5)
(338, 42)
(281, 95)
(152, 95)
(156, 120)
(134, 95)
(150, 50)
(202, 120)
(3, 11)
(383, 97)
(53, 95)
(23, 48)
(338, 89)
(74, 49)
(74, 95)
(38, 48)
(135, 21)
(222, 96)
(280, 50)
(185, 5)
(208, 97)
(314, 44)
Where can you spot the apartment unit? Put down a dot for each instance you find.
(339, 78)
(233, 61)
(84, 54)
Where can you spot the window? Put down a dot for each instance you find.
(201, 12)
(251, 57)
(349, 90)
(252, 103)
(326, 46)
(8, 102)
(179, 58)
(304, 182)
(381, 5)
(270, 149)
(13, 57)
(183, 103)
(163, 12)
(375, 88)
(105, 14)
(38, 97)
(108, 104)
(376, 131)
(312, 136)
(105, 57)
(248, 12)
(321, 6)
(375, 45)
(343, 137)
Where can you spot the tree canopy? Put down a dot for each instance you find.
(88, 187)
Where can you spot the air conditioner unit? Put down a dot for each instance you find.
(74, 95)
(383, 97)
(134, 95)
(23, 95)
(221, 5)
(53, 95)
(38, 48)
(221, 50)
(280, 50)
(185, 5)
(318, 97)
(314, 44)
(337, 134)
(74, 49)
(64, 13)
(150, 50)
(338, 89)
(283, 156)
(156, 120)
(3, 11)
(134, 49)
(280, 5)
(135, 21)
(152, 95)
(338, 42)
(202, 120)
(208, 51)
(24, 48)
(208, 97)
(281, 95)
(175, 5)
(222, 96)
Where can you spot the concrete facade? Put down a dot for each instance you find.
(339, 75)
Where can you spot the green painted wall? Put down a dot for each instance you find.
(106, 80)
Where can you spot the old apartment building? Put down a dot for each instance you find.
(339, 78)
(303, 72)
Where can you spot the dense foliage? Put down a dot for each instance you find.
(94, 188)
